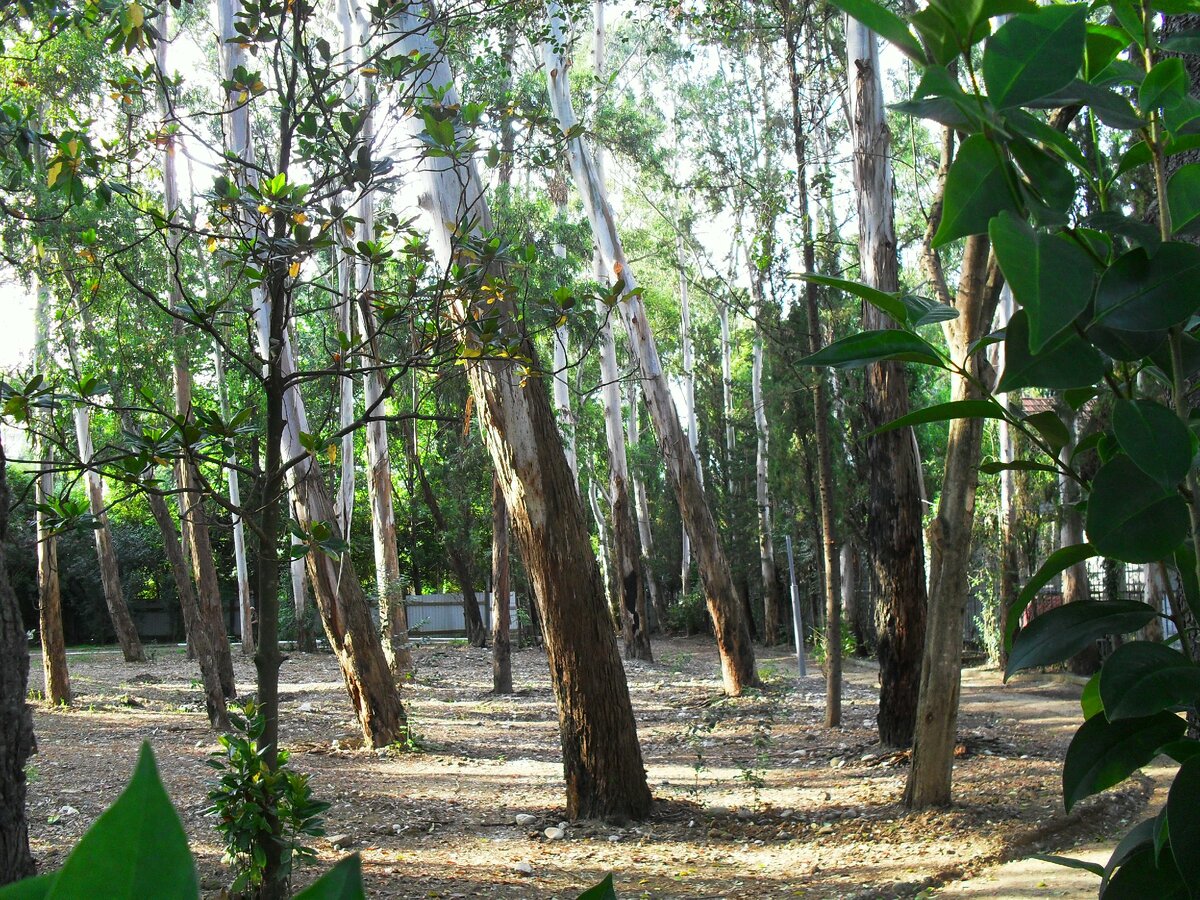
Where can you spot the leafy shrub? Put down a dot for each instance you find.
(849, 643)
(249, 795)
(689, 614)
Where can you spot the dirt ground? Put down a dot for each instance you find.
(755, 798)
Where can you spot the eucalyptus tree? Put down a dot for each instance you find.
(733, 636)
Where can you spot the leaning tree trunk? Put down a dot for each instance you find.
(106, 555)
(729, 622)
(627, 585)
(501, 642)
(192, 516)
(16, 718)
(57, 682)
(929, 779)
(602, 762)
(344, 610)
(894, 512)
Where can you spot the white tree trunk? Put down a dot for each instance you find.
(727, 392)
(245, 604)
(645, 535)
(733, 636)
(689, 397)
(766, 542)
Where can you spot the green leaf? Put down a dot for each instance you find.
(868, 347)
(942, 412)
(1056, 562)
(1033, 55)
(1183, 820)
(887, 303)
(923, 311)
(1166, 83)
(1089, 700)
(1140, 292)
(1182, 750)
(35, 888)
(1183, 197)
(604, 890)
(1051, 428)
(1128, 346)
(1143, 677)
(342, 882)
(977, 188)
(1067, 361)
(886, 24)
(1140, 878)
(1067, 862)
(1050, 277)
(1155, 439)
(1132, 517)
(1104, 44)
(136, 849)
(1058, 634)
(1104, 753)
(1017, 465)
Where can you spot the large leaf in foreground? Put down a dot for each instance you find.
(1143, 677)
(1155, 439)
(1132, 517)
(1033, 55)
(1058, 634)
(1140, 292)
(342, 882)
(1058, 561)
(1183, 821)
(136, 849)
(868, 347)
(977, 189)
(1066, 361)
(942, 412)
(1105, 753)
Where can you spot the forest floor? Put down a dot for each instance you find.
(755, 798)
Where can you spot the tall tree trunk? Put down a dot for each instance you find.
(344, 610)
(194, 520)
(501, 643)
(602, 762)
(733, 636)
(1075, 582)
(57, 683)
(1010, 576)
(106, 555)
(16, 718)
(689, 393)
(825, 484)
(245, 606)
(605, 556)
(929, 779)
(894, 511)
(727, 394)
(766, 542)
(645, 534)
(459, 563)
(305, 639)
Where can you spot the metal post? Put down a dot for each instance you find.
(797, 621)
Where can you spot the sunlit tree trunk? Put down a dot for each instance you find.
(57, 683)
(106, 555)
(305, 639)
(894, 510)
(245, 606)
(733, 635)
(16, 718)
(1009, 572)
(344, 610)
(193, 518)
(602, 762)
(501, 642)
(727, 393)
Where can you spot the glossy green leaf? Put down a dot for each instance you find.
(1132, 517)
(1105, 753)
(1129, 346)
(1183, 820)
(868, 347)
(1143, 677)
(938, 32)
(887, 303)
(1035, 54)
(977, 188)
(342, 882)
(1089, 701)
(943, 412)
(1051, 428)
(1142, 878)
(1050, 277)
(1104, 44)
(1140, 292)
(35, 888)
(1166, 83)
(924, 311)
(1155, 439)
(1069, 863)
(1182, 750)
(1067, 361)
(602, 891)
(1059, 633)
(1056, 562)
(1048, 184)
(1183, 197)
(885, 23)
(136, 849)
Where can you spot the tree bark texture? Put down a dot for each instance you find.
(602, 762)
(772, 600)
(930, 778)
(16, 718)
(106, 555)
(894, 510)
(501, 641)
(733, 635)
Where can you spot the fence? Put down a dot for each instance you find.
(442, 616)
